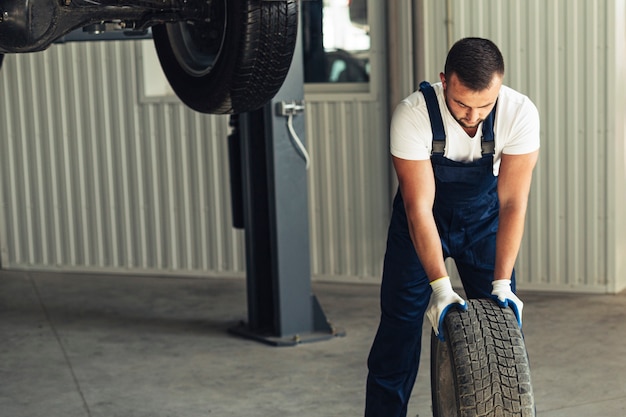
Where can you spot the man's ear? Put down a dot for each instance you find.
(442, 77)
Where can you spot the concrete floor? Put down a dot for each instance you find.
(101, 345)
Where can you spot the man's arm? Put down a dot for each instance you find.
(513, 187)
(417, 185)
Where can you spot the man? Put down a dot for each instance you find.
(464, 151)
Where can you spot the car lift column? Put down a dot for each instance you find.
(282, 309)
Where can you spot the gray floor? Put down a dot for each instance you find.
(100, 345)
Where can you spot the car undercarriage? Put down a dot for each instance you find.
(220, 56)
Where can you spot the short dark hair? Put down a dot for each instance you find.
(475, 61)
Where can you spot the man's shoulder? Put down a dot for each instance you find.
(514, 103)
(416, 98)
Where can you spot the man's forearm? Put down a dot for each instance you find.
(513, 190)
(427, 243)
(508, 239)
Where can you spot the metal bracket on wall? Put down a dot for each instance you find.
(285, 109)
(288, 110)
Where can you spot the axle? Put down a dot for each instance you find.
(33, 25)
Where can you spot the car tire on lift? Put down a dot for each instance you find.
(482, 368)
(234, 63)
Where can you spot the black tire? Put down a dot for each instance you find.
(235, 63)
(482, 368)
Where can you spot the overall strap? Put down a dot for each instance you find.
(434, 114)
(436, 122)
(487, 142)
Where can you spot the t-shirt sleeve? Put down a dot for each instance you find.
(524, 135)
(410, 133)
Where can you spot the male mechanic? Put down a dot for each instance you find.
(464, 150)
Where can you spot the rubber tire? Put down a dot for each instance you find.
(235, 64)
(482, 368)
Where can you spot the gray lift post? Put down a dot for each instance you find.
(282, 310)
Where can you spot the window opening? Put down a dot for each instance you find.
(336, 41)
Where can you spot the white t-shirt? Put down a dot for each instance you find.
(516, 129)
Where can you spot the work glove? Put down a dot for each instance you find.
(441, 300)
(503, 294)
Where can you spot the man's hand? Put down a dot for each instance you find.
(504, 296)
(442, 298)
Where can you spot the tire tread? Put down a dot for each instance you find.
(490, 361)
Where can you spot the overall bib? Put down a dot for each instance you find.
(466, 214)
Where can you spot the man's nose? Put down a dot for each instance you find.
(472, 115)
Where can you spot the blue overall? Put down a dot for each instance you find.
(466, 214)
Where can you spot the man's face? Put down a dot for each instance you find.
(469, 107)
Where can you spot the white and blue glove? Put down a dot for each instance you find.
(441, 300)
(503, 294)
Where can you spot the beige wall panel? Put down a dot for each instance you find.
(102, 171)
(96, 178)
(349, 189)
(616, 161)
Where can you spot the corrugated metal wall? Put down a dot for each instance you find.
(561, 54)
(97, 176)
(101, 171)
(349, 188)
(94, 179)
